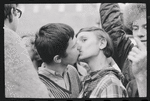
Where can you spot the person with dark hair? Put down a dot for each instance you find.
(56, 45)
(112, 22)
(29, 43)
(95, 47)
(21, 79)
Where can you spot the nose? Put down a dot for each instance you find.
(141, 34)
(78, 46)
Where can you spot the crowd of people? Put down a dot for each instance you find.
(97, 62)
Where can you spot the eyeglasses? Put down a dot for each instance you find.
(18, 11)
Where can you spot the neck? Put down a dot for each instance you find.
(59, 68)
(8, 24)
(98, 62)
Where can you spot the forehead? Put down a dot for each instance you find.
(140, 21)
(86, 34)
(71, 42)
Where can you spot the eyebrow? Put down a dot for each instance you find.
(82, 37)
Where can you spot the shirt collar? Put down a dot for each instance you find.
(8, 29)
(50, 71)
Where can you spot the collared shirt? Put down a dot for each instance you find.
(61, 80)
(103, 84)
(61, 86)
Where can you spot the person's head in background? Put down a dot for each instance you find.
(29, 44)
(56, 44)
(135, 19)
(94, 43)
(11, 16)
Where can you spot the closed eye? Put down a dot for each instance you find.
(135, 27)
(83, 40)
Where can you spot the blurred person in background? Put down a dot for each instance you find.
(21, 79)
(29, 43)
(112, 21)
(56, 45)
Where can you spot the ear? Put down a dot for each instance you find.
(102, 43)
(57, 59)
(13, 12)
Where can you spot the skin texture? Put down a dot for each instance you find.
(140, 29)
(72, 53)
(91, 50)
(88, 45)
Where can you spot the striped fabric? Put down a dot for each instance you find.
(54, 90)
(109, 87)
(103, 84)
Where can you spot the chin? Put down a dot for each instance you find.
(82, 59)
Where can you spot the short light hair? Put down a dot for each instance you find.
(132, 12)
(108, 50)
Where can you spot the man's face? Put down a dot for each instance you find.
(15, 18)
(140, 29)
(88, 45)
(72, 52)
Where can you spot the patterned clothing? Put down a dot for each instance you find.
(54, 89)
(21, 78)
(104, 83)
(66, 86)
(59, 79)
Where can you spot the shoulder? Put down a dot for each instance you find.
(109, 81)
(109, 86)
(73, 74)
(71, 69)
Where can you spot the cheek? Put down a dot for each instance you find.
(134, 33)
(90, 48)
(72, 55)
(144, 32)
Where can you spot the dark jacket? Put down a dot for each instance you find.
(112, 23)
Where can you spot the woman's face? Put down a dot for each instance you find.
(140, 29)
(88, 45)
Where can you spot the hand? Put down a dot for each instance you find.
(138, 56)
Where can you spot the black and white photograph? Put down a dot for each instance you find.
(75, 50)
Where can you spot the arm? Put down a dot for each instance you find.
(138, 56)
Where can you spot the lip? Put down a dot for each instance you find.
(143, 40)
(80, 52)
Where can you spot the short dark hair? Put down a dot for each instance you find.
(7, 11)
(52, 39)
(108, 50)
